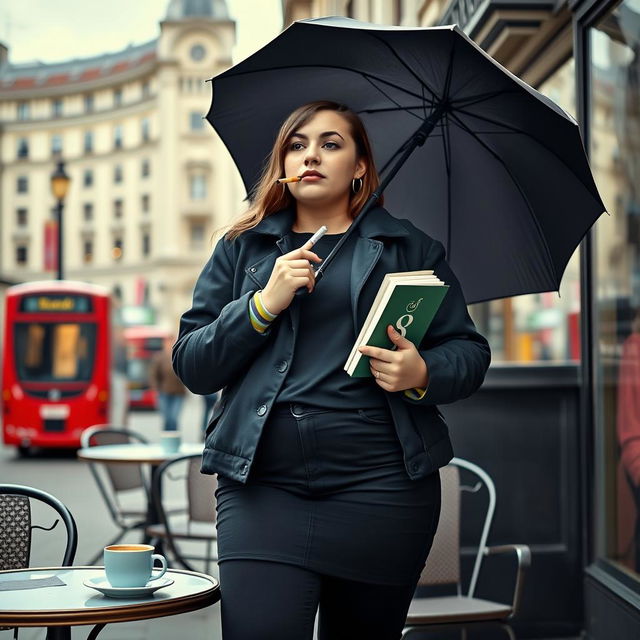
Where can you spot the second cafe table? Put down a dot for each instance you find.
(136, 453)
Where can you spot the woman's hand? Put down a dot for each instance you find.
(400, 369)
(290, 272)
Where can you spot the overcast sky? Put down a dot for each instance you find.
(55, 30)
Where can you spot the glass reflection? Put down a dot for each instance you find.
(615, 161)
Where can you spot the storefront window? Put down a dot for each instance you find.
(545, 326)
(615, 160)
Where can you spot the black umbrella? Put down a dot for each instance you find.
(489, 166)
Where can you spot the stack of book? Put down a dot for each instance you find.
(408, 301)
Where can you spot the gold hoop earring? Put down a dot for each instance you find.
(353, 185)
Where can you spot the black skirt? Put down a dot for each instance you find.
(328, 491)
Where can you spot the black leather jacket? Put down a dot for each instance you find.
(217, 347)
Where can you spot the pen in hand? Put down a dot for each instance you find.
(311, 241)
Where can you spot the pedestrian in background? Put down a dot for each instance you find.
(167, 385)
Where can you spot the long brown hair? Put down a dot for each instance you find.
(270, 197)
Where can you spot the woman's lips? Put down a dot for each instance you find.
(312, 178)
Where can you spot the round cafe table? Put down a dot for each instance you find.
(138, 453)
(74, 604)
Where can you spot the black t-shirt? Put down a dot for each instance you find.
(326, 335)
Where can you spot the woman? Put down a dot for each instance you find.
(328, 487)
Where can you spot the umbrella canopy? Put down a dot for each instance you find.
(502, 180)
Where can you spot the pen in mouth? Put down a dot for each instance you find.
(286, 180)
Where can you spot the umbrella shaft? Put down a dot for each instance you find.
(417, 140)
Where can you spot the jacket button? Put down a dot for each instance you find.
(282, 366)
(253, 269)
(414, 466)
(245, 468)
(262, 409)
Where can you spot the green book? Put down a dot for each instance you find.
(406, 300)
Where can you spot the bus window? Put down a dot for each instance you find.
(55, 352)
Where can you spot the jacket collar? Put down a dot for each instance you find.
(378, 222)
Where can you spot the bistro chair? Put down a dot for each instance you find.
(16, 533)
(119, 482)
(442, 570)
(198, 525)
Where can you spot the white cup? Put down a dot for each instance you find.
(170, 441)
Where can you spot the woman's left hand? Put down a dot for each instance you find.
(400, 369)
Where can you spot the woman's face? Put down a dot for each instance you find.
(324, 153)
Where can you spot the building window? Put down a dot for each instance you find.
(21, 217)
(23, 148)
(145, 203)
(22, 255)
(198, 187)
(56, 108)
(144, 128)
(196, 121)
(23, 111)
(88, 142)
(117, 208)
(117, 136)
(146, 244)
(87, 178)
(87, 211)
(87, 251)
(88, 103)
(196, 235)
(117, 174)
(117, 98)
(145, 168)
(146, 89)
(56, 144)
(118, 249)
(22, 184)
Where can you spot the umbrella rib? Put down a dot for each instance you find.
(512, 129)
(400, 107)
(481, 97)
(517, 185)
(406, 66)
(321, 66)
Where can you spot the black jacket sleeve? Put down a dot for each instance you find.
(216, 341)
(457, 356)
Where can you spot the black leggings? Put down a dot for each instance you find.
(265, 600)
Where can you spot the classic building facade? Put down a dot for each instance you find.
(150, 181)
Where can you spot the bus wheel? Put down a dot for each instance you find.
(24, 450)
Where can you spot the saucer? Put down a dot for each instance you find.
(101, 584)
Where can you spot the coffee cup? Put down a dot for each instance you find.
(170, 441)
(131, 565)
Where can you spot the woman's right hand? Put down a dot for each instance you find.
(290, 272)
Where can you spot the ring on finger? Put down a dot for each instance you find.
(376, 373)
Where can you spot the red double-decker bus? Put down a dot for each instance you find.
(56, 363)
(142, 343)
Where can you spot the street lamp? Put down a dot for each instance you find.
(59, 187)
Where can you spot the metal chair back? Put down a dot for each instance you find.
(200, 496)
(443, 564)
(121, 476)
(200, 492)
(16, 527)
